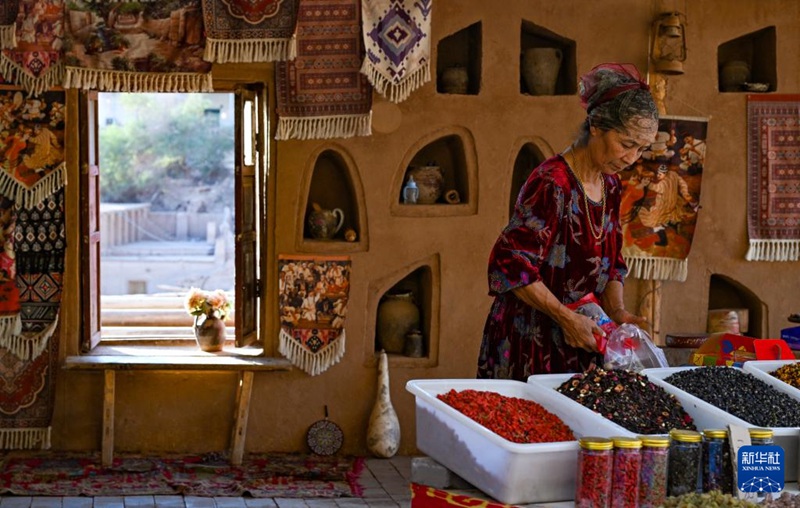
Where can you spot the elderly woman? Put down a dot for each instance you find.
(564, 239)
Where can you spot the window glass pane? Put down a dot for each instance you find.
(249, 136)
(166, 208)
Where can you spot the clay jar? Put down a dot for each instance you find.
(733, 74)
(430, 182)
(540, 68)
(209, 332)
(324, 224)
(397, 316)
(455, 80)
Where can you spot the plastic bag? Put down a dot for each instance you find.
(630, 348)
(589, 306)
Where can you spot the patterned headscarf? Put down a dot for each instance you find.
(596, 88)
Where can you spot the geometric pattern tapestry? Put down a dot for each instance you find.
(773, 177)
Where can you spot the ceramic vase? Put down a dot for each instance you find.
(430, 182)
(383, 431)
(455, 80)
(324, 224)
(733, 74)
(540, 67)
(209, 332)
(397, 315)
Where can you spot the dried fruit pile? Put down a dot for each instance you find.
(516, 419)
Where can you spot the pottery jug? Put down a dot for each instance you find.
(209, 332)
(430, 182)
(383, 431)
(397, 315)
(324, 224)
(540, 68)
(733, 74)
(455, 80)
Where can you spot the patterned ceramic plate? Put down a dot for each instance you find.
(324, 437)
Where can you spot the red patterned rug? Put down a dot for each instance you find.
(773, 177)
(260, 476)
(423, 496)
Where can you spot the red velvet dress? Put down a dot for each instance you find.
(548, 239)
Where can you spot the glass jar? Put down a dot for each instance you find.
(595, 466)
(717, 465)
(761, 437)
(685, 450)
(625, 476)
(653, 474)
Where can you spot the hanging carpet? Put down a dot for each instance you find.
(321, 93)
(773, 177)
(32, 146)
(250, 31)
(660, 199)
(34, 60)
(397, 36)
(8, 18)
(29, 360)
(147, 46)
(313, 294)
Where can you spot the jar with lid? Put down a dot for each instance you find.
(685, 450)
(625, 475)
(717, 465)
(653, 473)
(761, 437)
(595, 466)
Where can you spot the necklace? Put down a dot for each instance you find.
(599, 234)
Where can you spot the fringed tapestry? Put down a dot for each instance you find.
(397, 35)
(773, 177)
(10, 324)
(313, 304)
(250, 30)
(147, 46)
(660, 200)
(34, 62)
(29, 359)
(31, 146)
(321, 93)
(8, 18)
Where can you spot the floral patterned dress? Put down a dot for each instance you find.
(548, 239)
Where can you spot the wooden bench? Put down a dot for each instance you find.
(149, 359)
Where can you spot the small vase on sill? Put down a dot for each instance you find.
(209, 333)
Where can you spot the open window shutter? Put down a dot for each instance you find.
(90, 221)
(249, 109)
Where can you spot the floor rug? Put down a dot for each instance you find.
(423, 496)
(259, 476)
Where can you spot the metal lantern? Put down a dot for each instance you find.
(669, 43)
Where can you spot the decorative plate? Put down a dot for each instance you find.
(324, 437)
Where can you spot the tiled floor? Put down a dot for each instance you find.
(386, 484)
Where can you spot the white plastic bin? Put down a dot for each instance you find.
(511, 473)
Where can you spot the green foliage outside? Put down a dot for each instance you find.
(155, 146)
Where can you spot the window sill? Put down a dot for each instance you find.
(173, 357)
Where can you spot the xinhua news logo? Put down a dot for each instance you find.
(760, 469)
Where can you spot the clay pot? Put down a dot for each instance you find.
(733, 74)
(397, 316)
(540, 68)
(430, 182)
(209, 332)
(324, 224)
(455, 80)
(383, 431)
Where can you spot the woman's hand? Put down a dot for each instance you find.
(580, 331)
(622, 316)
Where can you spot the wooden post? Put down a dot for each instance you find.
(108, 417)
(243, 392)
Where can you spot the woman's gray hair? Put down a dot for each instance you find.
(607, 110)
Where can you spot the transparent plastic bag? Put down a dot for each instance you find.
(630, 348)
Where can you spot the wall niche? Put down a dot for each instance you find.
(334, 194)
(727, 293)
(528, 157)
(547, 64)
(748, 63)
(458, 62)
(418, 283)
(452, 188)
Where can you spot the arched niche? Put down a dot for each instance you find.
(727, 293)
(535, 36)
(529, 154)
(423, 279)
(461, 50)
(453, 150)
(331, 181)
(758, 51)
